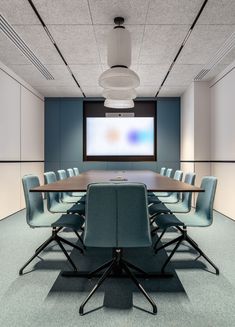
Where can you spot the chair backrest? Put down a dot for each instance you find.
(33, 200)
(162, 171)
(205, 200)
(187, 196)
(76, 171)
(168, 172)
(70, 172)
(62, 174)
(178, 175)
(52, 197)
(117, 215)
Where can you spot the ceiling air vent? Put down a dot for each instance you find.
(219, 55)
(9, 31)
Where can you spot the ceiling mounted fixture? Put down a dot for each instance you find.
(10, 32)
(119, 82)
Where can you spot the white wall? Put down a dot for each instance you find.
(21, 138)
(208, 109)
(222, 94)
(187, 124)
(195, 130)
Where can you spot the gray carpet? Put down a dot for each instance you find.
(195, 296)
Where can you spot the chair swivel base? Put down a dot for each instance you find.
(59, 240)
(116, 266)
(178, 241)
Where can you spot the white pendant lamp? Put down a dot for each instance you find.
(119, 82)
(119, 104)
(119, 78)
(119, 94)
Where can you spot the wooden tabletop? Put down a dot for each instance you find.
(152, 180)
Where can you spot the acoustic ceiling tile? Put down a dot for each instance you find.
(92, 91)
(104, 11)
(173, 11)
(9, 53)
(87, 74)
(18, 12)
(30, 74)
(76, 42)
(203, 43)
(182, 74)
(146, 91)
(161, 43)
(171, 91)
(151, 74)
(218, 12)
(102, 31)
(63, 12)
(38, 41)
(60, 91)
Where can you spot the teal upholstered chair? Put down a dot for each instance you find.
(76, 171)
(182, 206)
(70, 172)
(66, 196)
(172, 197)
(163, 171)
(168, 172)
(202, 217)
(54, 204)
(121, 223)
(37, 217)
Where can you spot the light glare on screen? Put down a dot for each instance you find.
(124, 136)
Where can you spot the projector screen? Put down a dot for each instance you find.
(120, 136)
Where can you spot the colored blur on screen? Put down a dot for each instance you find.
(120, 136)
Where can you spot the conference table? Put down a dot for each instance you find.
(152, 180)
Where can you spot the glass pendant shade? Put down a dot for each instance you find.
(119, 104)
(119, 94)
(119, 79)
(119, 82)
(119, 47)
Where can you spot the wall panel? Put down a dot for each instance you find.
(224, 200)
(21, 139)
(32, 126)
(223, 118)
(64, 136)
(9, 118)
(9, 188)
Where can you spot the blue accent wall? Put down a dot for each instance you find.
(64, 136)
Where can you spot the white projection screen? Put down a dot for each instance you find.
(120, 136)
(109, 136)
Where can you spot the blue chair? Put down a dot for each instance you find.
(169, 197)
(66, 196)
(172, 197)
(70, 172)
(163, 171)
(76, 171)
(36, 217)
(168, 172)
(54, 204)
(182, 206)
(120, 223)
(202, 217)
